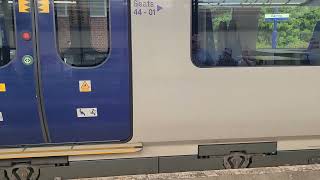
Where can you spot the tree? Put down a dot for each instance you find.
(294, 33)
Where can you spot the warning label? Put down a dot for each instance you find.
(44, 6)
(3, 87)
(24, 6)
(85, 86)
(87, 112)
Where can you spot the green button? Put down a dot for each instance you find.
(27, 60)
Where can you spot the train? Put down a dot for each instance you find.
(116, 87)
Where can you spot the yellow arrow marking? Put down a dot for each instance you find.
(44, 6)
(24, 6)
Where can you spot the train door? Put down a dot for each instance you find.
(20, 121)
(85, 69)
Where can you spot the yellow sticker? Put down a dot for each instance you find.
(24, 6)
(44, 6)
(85, 86)
(3, 87)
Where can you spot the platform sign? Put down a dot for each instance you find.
(277, 17)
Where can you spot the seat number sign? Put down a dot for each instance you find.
(146, 8)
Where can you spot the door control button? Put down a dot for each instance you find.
(27, 60)
(26, 36)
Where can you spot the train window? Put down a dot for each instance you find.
(255, 33)
(62, 10)
(7, 32)
(82, 28)
(98, 8)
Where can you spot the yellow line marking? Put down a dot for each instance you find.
(18, 153)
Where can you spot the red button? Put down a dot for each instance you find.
(26, 36)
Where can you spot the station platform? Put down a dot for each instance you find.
(307, 172)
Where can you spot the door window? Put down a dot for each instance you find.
(7, 32)
(82, 28)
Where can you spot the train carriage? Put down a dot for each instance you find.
(112, 87)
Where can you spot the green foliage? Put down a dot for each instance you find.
(295, 33)
(223, 15)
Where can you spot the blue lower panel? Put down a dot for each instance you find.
(111, 85)
(18, 105)
(110, 95)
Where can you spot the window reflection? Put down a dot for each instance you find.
(82, 31)
(256, 34)
(7, 33)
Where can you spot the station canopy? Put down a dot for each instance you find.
(254, 2)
